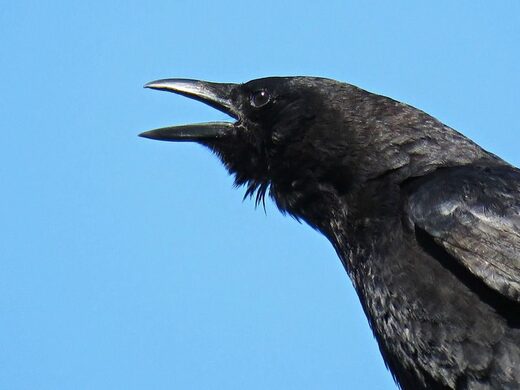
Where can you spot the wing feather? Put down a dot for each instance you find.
(474, 214)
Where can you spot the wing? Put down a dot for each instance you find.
(474, 214)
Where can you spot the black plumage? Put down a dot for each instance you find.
(426, 222)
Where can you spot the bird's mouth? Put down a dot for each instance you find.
(216, 95)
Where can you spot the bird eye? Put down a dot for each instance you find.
(260, 98)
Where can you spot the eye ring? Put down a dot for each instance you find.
(260, 98)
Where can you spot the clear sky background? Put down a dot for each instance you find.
(132, 264)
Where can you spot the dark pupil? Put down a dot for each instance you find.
(260, 98)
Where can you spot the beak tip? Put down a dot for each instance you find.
(145, 134)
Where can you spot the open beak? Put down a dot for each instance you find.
(216, 95)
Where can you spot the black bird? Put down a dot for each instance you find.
(425, 222)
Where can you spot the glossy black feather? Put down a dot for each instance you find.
(473, 212)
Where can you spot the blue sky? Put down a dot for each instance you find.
(131, 264)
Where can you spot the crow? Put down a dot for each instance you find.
(425, 221)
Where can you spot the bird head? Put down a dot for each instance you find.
(277, 138)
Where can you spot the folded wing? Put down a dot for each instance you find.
(474, 214)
